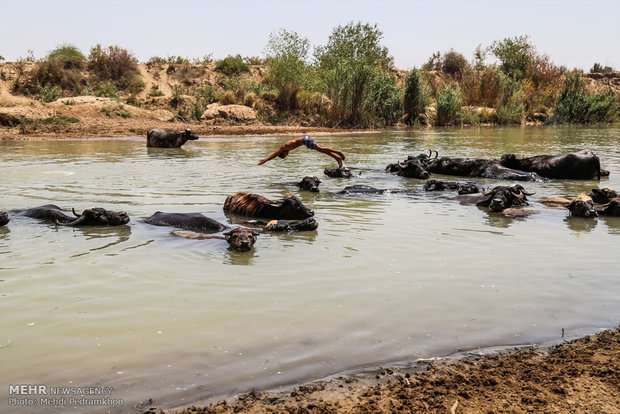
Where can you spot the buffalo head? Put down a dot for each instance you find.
(502, 197)
(611, 209)
(96, 216)
(241, 238)
(4, 218)
(340, 172)
(309, 183)
(509, 160)
(413, 168)
(582, 206)
(603, 195)
(190, 135)
(292, 208)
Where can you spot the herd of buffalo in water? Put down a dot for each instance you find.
(258, 214)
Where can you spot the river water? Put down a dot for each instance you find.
(384, 279)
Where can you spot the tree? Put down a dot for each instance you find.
(514, 55)
(348, 64)
(287, 53)
(414, 100)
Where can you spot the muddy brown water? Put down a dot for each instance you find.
(384, 279)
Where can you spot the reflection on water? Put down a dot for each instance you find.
(385, 277)
(581, 225)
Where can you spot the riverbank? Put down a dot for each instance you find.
(582, 376)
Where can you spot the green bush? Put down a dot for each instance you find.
(512, 111)
(414, 100)
(448, 106)
(598, 68)
(514, 55)
(576, 106)
(232, 65)
(70, 56)
(383, 104)
(116, 65)
(453, 64)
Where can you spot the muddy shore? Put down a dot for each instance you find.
(581, 376)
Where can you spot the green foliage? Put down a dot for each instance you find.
(514, 55)
(598, 68)
(448, 106)
(383, 104)
(348, 64)
(116, 65)
(512, 111)
(453, 64)
(575, 106)
(70, 56)
(286, 55)
(50, 94)
(232, 65)
(414, 100)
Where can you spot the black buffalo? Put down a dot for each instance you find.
(460, 187)
(503, 197)
(582, 206)
(579, 165)
(308, 224)
(241, 239)
(340, 172)
(254, 205)
(309, 183)
(413, 166)
(186, 221)
(362, 189)
(483, 168)
(93, 216)
(4, 218)
(166, 138)
(603, 195)
(612, 208)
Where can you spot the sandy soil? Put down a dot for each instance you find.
(582, 376)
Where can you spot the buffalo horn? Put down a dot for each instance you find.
(76, 214)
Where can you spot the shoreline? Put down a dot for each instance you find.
(577, 376)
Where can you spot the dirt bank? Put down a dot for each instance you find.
(582, 376)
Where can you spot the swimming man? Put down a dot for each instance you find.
(283, 151)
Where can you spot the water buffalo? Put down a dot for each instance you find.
(240, 239)
(610, 209)
(309, 183)
(340, 172)
(186, 221)
(502, 197)
(603, 195)
(166, 138)
(254, 205)
(460, 187)
(362, 189)
(484, 168)
(92, 216)
(308, 224)
(4, 218)
(413, 166)
(579, 165)
(582, 206)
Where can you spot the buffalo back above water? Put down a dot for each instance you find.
(255, 205)
(186, 221)
(483, 168)
(93, 216)
(579, 165)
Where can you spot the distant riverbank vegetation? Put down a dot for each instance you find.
(350, 82)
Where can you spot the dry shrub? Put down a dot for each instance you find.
(249, 99)
(228, 98)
